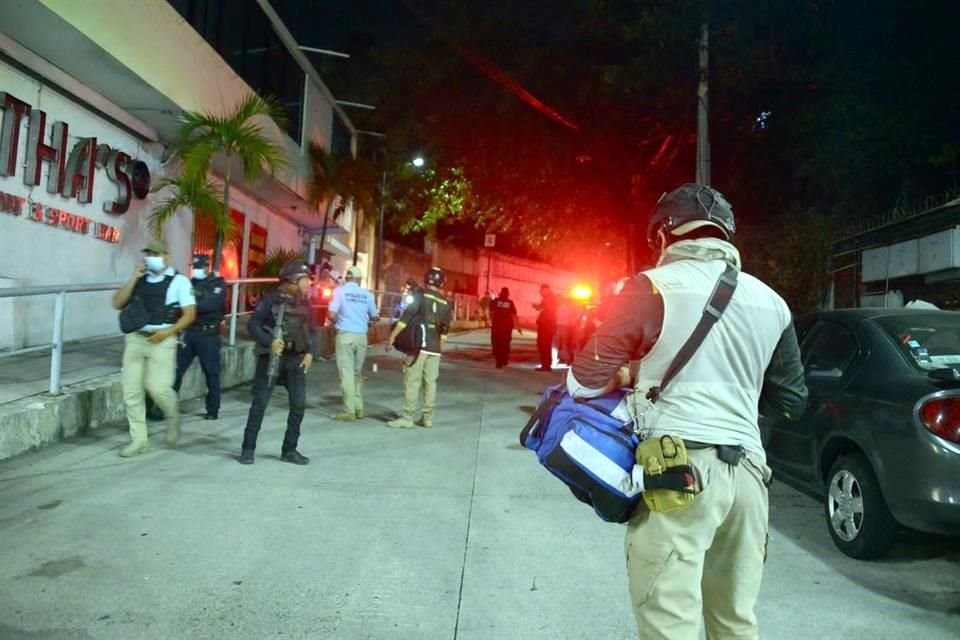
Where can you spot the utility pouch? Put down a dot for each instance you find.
(656, 455)
(730, 454)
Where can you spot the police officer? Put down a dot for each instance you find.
(150, 350)
(503, 320)
(351, 312)
(546, 327)
(202, 338)
(293, 348)
(706, 559)
(420, 370)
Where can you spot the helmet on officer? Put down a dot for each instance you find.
(435, 277)
(689, 208)
(294, 270)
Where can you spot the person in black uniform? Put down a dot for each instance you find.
(296, 351)
(202, 339)
(546, 327)
(503, 320)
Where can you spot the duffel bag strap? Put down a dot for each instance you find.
(547, 405)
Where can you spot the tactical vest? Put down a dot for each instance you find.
(715, 397)
(296, 328)
(203, 289)
(154, 297)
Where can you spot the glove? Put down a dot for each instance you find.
(680, 479)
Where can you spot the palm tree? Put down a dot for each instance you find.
(340, 182)
(235, 136)
(202, 197)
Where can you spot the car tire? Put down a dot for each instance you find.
(857, 516)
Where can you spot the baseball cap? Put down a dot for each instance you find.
(354, 272)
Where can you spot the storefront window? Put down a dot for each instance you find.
(243, 36)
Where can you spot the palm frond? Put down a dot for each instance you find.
(202, 197)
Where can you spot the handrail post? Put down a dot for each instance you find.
(56, 349)
(234, 305)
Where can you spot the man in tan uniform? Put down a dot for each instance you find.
(701, 563)
(351, 312)
(428, 319)
(166, 303)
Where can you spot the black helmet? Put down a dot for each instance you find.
(200, 261)
(690, 207)
(435, 277)
(294, 270)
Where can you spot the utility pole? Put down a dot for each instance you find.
(703, 107)
(383, 198)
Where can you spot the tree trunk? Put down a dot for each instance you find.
(218, 241)
(356, 236)
(326, 219)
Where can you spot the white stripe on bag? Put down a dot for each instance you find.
(598, 464)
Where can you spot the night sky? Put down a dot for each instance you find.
(569, 119)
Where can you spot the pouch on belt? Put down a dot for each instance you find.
(656, 455)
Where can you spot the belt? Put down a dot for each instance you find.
(731, 454)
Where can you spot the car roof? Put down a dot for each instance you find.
(872, 313)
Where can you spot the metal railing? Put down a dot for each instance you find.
(386, 302)
(59, 312)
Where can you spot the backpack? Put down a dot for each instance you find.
(588, 448)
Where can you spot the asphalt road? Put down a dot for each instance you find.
(452, 533)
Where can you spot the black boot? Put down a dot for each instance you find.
(246, 456)
(295, 457)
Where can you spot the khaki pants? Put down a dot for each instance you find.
(707, 558)
(351, 353)
(150, 368)
(421, 373)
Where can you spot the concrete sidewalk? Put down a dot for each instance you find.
(448, 533)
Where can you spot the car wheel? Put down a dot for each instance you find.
(859, 521)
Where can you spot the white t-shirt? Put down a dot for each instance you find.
(179, 292)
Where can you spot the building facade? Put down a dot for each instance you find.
(911, 256)
(90, 93)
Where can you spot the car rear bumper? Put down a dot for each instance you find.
(927, 493)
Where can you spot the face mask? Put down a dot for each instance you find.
(154, 263)
(199, 274)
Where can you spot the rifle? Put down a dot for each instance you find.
(274, 366)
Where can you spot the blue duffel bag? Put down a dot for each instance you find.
(587, 447)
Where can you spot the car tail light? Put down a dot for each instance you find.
(941, 417)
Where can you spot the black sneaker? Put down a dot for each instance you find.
(246, 457)
(295, 457)
(211, 416)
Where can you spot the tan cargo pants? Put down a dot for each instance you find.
(149, 368)
(422, 373)
(351, 354)
(706, 560)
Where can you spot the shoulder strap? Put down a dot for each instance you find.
(716, 305)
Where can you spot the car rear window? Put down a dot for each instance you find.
(932, 341)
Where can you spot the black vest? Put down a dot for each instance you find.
(154, 296)
(204, 289)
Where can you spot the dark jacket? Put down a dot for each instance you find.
(431, 309)
(299, 327)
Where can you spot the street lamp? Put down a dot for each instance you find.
(418, 162)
